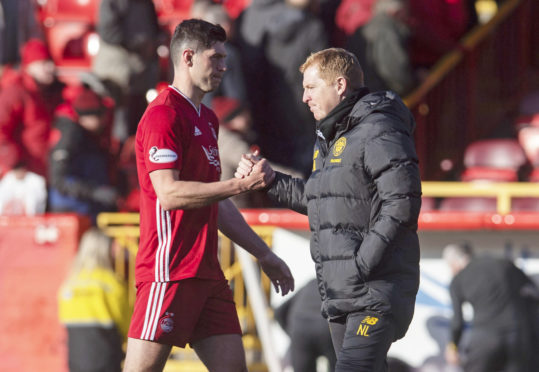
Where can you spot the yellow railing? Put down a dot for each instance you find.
(124, 228)
(502, 191)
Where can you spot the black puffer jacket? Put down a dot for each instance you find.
(363, 200)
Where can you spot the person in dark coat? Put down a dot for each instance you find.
(309, 334)
(275, 37)
(80, 163)
(504, 329)
(363, 200)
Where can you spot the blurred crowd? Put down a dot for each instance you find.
(68, 146)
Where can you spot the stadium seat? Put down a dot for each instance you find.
(172, 12)
(528, 138)
(428, 204)
(471, 204)
(525, 204)
(53, 11)
(524, 121)
(493, 160)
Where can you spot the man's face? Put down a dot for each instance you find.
(92, 123)
(318, 94)
(43, 71)
(209, 67)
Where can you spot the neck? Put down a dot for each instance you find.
(184, 85)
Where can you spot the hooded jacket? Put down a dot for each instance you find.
(363, 200)
(26, 111)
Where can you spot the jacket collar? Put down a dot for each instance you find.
(327, 127)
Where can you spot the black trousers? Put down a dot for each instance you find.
(496, 350)
(361, 341)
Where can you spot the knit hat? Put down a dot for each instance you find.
(226, 108)
(87, 102)
(34, 50)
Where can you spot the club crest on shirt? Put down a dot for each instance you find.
(167, 323)
(158, 155)
(212, 153)
(339, 146)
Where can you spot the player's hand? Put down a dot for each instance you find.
(261, 176)
(278, 272)
(246, 164)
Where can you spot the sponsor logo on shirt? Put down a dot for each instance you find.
(212, 153)
(197, 131)
(158, 155)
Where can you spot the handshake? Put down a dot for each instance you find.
(256, 171)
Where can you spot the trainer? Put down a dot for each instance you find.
(363, 199)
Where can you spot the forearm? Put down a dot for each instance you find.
(289, 192)
(233, 226)
(191, 194)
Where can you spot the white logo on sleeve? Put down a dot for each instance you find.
(162, 155)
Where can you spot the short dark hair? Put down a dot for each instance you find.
(197, 33)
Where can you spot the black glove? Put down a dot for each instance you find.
(105, 195)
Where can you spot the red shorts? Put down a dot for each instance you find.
(186, 311)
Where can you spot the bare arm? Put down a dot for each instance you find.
(176, 194)
(233, 225)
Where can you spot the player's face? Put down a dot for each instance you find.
(209, 67)
(318, 94)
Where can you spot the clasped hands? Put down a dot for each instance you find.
(256, 170)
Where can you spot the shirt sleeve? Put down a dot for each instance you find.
(163, 140)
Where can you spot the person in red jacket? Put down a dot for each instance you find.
(27, 102)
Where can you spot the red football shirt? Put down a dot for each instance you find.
(177, 244)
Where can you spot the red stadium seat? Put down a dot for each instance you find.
(54, 11)
(172, 12)
(472, 204)
(495, 153)
(496, 160)
(428, 204)
(525, 204)
(489, 174)
(526, 121)
(528, 138)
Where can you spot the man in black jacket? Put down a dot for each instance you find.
(363, 200)
(504, 300)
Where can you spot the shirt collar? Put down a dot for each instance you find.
(197, 109)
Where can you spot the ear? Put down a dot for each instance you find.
(187, 56)
(342, 85)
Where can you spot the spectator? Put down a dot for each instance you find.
(437, 26)
(27, 103)
(22, 192)
(92, 304)
(381, 46)
(309, 333)
(502, 297)
(275, 38)
(80, 170)
(18, 24)
(349, 16)
(127, 57)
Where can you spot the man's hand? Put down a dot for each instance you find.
(452, 354)
(256, 172)
(278, 272)
(246, 164)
